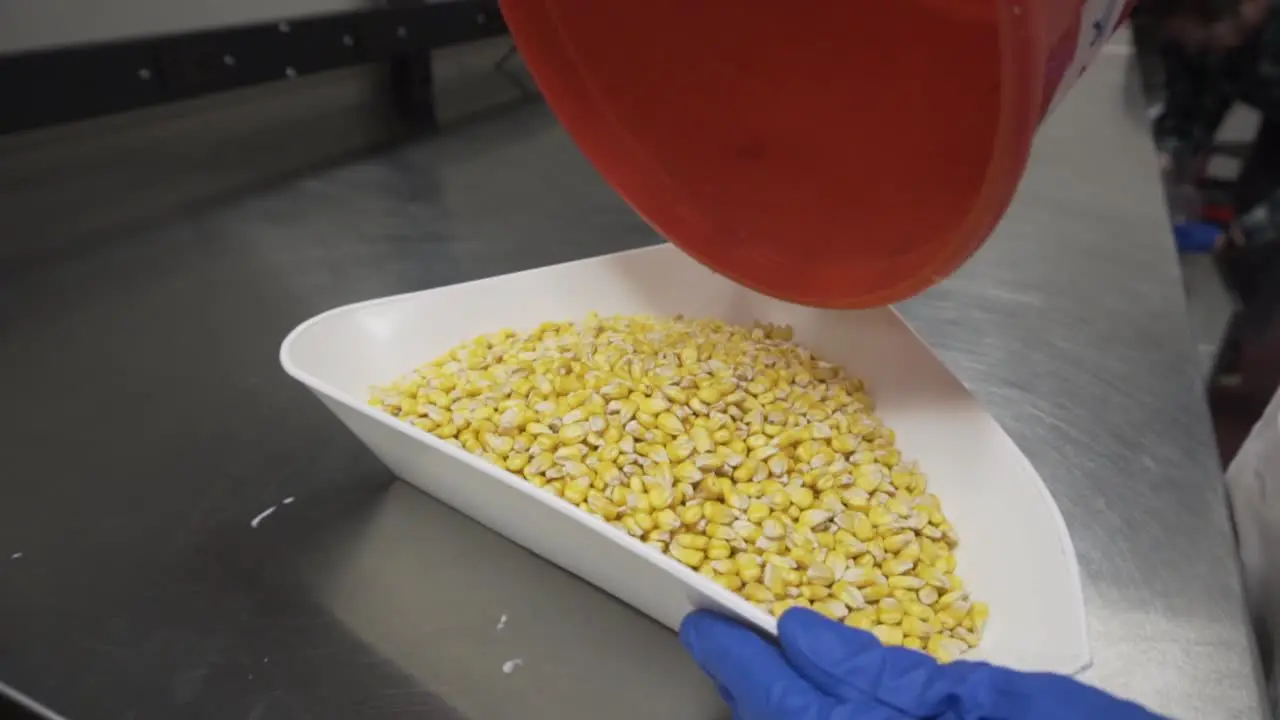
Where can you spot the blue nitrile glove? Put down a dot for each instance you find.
(827, 671)
(1195, 238)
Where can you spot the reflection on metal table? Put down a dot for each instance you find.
(148, 424)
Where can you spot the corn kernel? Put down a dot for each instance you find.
(978, 612)
(688, 556)
(888, 635)
(691, 541)
(690, 515)
(729, 582)
(718, 513)
(755, 592)
(861, 619)
(718, 549)
(831, 608)
(729, 448)
(905, 582)
(876, 592)
(889, 611)
(915, 627)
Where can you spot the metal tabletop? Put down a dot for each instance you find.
(146, 423)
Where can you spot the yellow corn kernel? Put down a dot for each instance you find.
(755, 592)
(813, 517)
(946, 563)
(702, 441)
(691, 541)
(888, 635)
(978, 613)
(895, 543)
(718, 549)
(729, 582)
(861, 619)
(746, 530)
(576, 494)
(722, 532)
(911, 552)
(844, 443)
(601, 506)
(905, 582)
(814, 592)
(915, 627)
(831, 608)
(820, 574)
(971, 639)
(889, 611)
(670, 424)
(688, 556)
(653, 405)
(862, 528)
(517, 462)
(848, 594)
(690, 514)
(945, 649)
(918, 610)
(876, 592)
(645, 521)
(774, 578)
(718, 513)
(677, 432)
(880, 517)
(894, 566)
(781, 606)
(667, 519)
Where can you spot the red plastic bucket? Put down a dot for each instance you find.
(838, 153)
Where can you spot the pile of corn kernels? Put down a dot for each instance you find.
(731, 449)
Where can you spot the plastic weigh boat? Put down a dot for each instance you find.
(1015, 552)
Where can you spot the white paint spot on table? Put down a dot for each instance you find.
(17, 555)
(502, 621)
(288, 500)
(510, 666)
(261, 516)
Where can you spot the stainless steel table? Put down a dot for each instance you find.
(146, 424)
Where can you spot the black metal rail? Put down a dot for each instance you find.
(56, 86)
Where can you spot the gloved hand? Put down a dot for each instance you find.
(1196, 238)
(827, 671)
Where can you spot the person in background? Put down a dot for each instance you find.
(1216, 53)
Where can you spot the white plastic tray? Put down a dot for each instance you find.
(1015, 552)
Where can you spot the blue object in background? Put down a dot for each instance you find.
(1194, 238)
(822, 670)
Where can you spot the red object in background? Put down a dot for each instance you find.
(837, 153)
(1218, 214)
